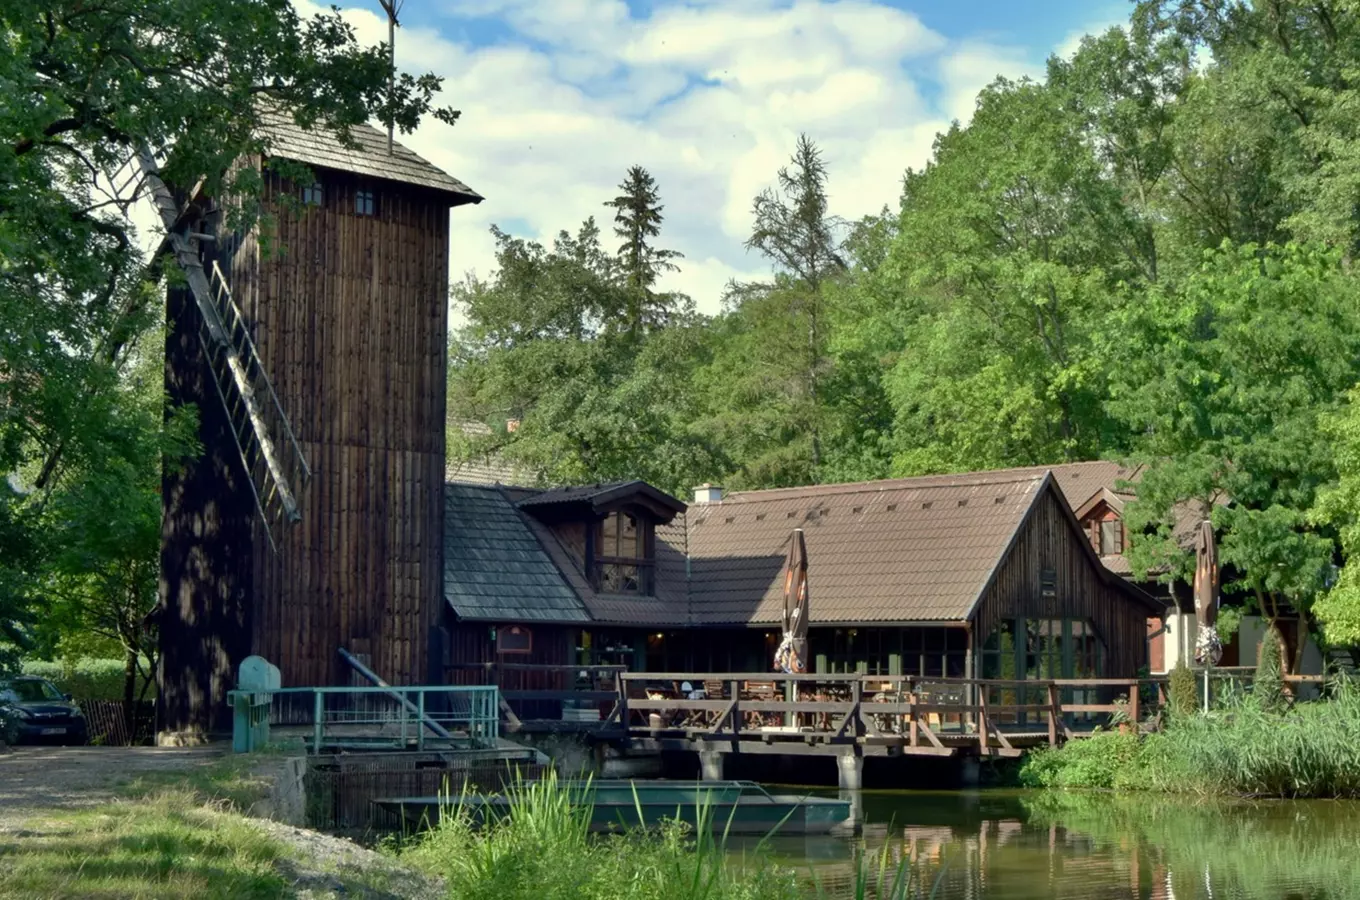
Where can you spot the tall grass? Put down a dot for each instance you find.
(1241, 749)
(539, 847)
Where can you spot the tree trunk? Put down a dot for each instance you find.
(130, 692)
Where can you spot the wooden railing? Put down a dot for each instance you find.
(914, 713)
(920, 714)
(535, 696)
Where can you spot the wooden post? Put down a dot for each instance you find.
(913, 716)
(1052, 714)
(1133, 704)
(737, 724)
(983, 724)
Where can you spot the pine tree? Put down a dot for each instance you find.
(637, 220)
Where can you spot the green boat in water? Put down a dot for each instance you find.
(734, 807)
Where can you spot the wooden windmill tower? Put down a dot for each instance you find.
(314, 517)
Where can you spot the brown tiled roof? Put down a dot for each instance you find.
(321, 148)
(917, 549)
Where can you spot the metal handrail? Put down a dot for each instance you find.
(476, 720)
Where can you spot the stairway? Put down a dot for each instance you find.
(263, 436)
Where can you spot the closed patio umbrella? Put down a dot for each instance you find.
(1208, 650)
(793, 648)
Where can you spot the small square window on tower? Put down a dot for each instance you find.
(365, 203)
(312, 195)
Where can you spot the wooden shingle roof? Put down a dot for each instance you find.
(319, 147)
(495, 569)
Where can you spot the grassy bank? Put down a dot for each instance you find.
(169, 846)
(542, 850)
(1240, 749)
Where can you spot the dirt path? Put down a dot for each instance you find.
(33, 779)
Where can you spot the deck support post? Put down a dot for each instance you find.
(711, 765)
(850, 768)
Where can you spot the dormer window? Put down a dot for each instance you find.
(623, 559)
(1111, 540)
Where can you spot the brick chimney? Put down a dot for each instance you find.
(708, 493)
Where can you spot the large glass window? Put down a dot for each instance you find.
(1040, 650)
(930, 652)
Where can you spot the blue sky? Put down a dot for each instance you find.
(559, 97)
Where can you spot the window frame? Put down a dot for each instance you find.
(314, 195)
(365, 194)
(525, 650)
(644, 564)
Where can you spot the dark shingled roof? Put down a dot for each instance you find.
(602, 496)
(321, 148)
(494, 567)
(915, 549)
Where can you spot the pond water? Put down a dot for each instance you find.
(1008, 845)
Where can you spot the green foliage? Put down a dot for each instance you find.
(1105, 761)
(88, 679)
(541, 850)
(1267, 686)
(637, 219)
(1313, 750)
(1338, 507)
(1227, 375)
(1183, 695)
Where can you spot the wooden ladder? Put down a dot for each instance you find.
(269, 451)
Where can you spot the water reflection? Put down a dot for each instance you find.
(1022, 846)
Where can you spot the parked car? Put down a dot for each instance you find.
(32, 710)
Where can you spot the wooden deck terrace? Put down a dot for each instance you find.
(872, 715)
(864, 715)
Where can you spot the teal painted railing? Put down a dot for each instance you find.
(417, 718)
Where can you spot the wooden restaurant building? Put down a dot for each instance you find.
(987, 575)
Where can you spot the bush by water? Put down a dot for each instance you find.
(1245, 748)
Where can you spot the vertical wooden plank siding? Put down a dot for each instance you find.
(351, 321)
(1049, 540)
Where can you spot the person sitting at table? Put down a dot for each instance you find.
(689, 692)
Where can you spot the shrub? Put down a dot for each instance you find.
(1268, 685)
(86, 679)
(1183, 699)
(1313, 750)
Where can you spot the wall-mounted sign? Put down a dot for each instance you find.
(1048, 584)
(514, 639)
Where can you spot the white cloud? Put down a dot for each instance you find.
(709, 95)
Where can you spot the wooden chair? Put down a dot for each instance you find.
(762, 691)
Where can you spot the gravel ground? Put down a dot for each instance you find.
(330, 867)
(38, 779)
(34, 781)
